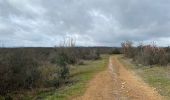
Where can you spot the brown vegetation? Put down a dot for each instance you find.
(146, 54)
(30, 68)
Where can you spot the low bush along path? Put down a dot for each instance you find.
(118, 83)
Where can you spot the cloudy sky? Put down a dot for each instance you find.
(89, 22)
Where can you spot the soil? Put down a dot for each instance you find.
(118, 83)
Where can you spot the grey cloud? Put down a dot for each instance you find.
(91, 22)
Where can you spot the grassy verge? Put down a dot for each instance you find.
(82, 74)
(157, 76)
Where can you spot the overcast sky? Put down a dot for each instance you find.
(89, 22)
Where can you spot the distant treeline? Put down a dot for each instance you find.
(147, 54)
(29, 68)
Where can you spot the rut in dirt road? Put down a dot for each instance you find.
(118, 83)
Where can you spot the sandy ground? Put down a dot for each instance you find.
(118, 83)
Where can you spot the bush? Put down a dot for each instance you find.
(115, 51)
(28, 68)
(19, 70)
(128, 49)
(152, 55)
(62, 62)
(146, 54)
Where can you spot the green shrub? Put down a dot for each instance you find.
(28, 68)
(115, 51)
(62, 62)
(19, 70)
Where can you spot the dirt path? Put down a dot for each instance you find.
(118, 83)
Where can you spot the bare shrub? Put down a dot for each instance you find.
(146, 54)
(128, 49)
(92, 54)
